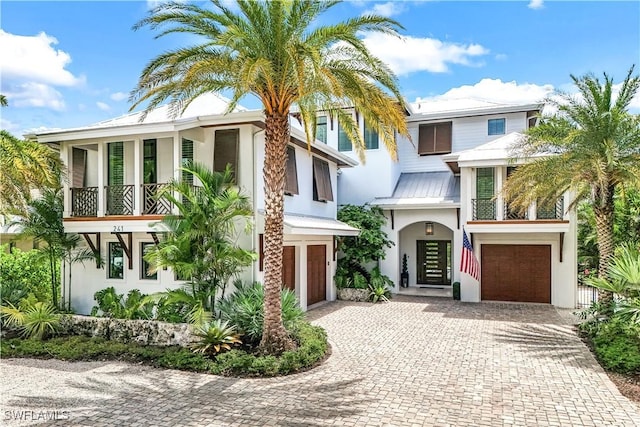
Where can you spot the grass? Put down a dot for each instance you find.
(312, 349)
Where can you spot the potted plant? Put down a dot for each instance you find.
(404, 277)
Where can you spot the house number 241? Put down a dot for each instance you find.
(118, 228)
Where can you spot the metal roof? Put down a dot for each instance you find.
(424, 188)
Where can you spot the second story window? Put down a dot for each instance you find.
(496, 126)
(291, 173)
(321, 129)
(115, 166)
(225, 150)
(435, 138)
(370, 138)
(322, 191)
(149, 166)
(344, 144)
(187, 158)
(484, 207)
(79, 167)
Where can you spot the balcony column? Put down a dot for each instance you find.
(66, 189)
(137, 176)
(500, 172)
(177, 164)
(102, 161)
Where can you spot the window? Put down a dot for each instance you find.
(370, 138)
(291, 173)
(532, 119)
(115, 165)
(321, 129)
(79, 165)
(225, 150)
(322, 191)
(496, 126)
(145, 266)
(187, 159)
(344, 144)
(116, 261)
(484, 183)
(434, 138)
(149, 166)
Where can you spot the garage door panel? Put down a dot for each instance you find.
(520, 273)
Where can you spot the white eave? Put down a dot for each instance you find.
(415, 203)
(315, 226)
(519, 227)
(482, 110)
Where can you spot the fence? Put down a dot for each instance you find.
(587, 295)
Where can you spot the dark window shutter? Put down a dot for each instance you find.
(426, 139)
(322, 190)
(443, 138)
(187, 158)
(261, 250)
(79, 163)
(291, 173)
(115, 167)
(225, 150)
(485, 186)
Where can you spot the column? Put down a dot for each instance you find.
(137, 177)
(66, 191)
(102, 159)
(499, 175)
(177, 163)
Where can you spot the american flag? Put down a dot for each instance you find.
(469, 263)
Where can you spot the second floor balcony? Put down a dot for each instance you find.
(497, 210)
(119, 200)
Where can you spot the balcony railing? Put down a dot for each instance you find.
(551, 212)
(484, 209)
(511, 213)
(151, 204)
(84, 201)
(119, 199)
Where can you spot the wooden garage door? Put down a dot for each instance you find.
(289, 267)
(316, 273)
(516, 273)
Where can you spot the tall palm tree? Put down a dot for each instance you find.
(590, 146)
(3, 101)
(25, 165)
(280, 52)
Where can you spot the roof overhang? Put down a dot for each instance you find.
(472, 112)
(518, 227)
(315, 226)
(415, 203)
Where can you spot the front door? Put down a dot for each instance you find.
(316, 273)
(433, 262)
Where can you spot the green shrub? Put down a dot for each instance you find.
(312, 347)
(244, 309)
(617, 345)
(114, 305)
(214, 337)
(32, 319)
(379, 286)
(22, 273)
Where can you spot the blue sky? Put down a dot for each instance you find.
(67, 64)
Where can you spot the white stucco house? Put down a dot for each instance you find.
(449, 177)
(117, 166)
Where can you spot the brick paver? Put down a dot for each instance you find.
(411, 362)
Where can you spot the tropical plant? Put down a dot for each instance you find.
(590, 146)
(280, 52)
(3, 101)
(214, 337)
(25, 165)
(245, 309)
(114, 305)
(23, 273)
(379, 286)
(372, 241)
(33, 319)
(202, 244)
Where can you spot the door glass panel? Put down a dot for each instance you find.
(433, 262)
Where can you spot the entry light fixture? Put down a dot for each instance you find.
(428, 228)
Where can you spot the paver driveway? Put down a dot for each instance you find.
(414, 361)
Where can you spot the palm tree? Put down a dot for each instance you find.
(595, 147)
(25, 165)
(202, 242)
(3, 101)
(280, 52)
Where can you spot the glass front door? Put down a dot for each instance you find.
(433, 262)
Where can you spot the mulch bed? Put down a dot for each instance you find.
(629, 385)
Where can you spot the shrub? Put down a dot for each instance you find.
(112, 304)
(244, 309)
(617, 345)
(214, 337)
(33, 320)
(379, 286)
(27, 271)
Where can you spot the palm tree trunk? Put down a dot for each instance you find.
(604, 230)
(275, 339)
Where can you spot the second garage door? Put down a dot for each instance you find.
(519, 273)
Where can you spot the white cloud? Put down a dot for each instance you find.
(410, 54)
(536, 4)
(33, 94)
(8, 125)
(496, 90)
(501, 57)
(387, 9)
(103, 106)
(33, 58)
(119, 96)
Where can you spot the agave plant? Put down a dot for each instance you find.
(214, 337)
(34, 320)
(379, 286)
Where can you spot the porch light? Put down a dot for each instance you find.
(428, 228)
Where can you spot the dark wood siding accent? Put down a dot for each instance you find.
(291, 173)
(261, 251)
(322, 190)
(316, 273)
(225, 150)
(519, 273)
(79, 165)
(435, 138)
(289, 267)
